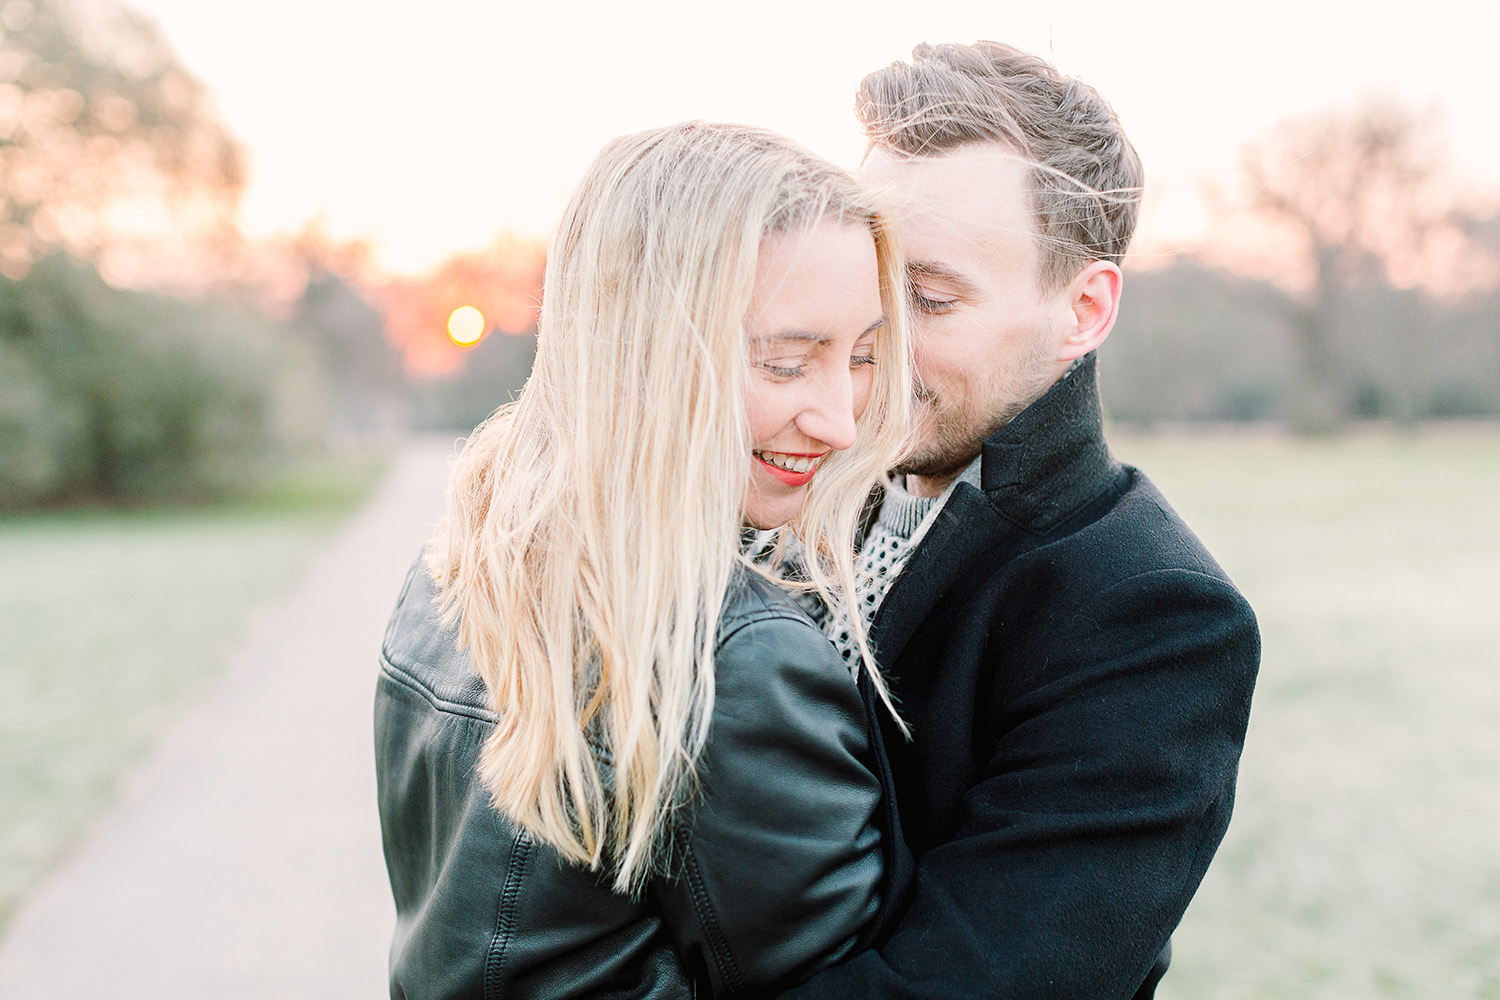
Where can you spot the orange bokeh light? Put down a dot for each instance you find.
(465, 326)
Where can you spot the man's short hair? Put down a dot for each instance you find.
(1085, 177)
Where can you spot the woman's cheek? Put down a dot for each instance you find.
(864, 384)
(760, 400)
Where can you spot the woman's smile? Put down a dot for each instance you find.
(791, 468)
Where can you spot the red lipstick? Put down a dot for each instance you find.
(790, 478)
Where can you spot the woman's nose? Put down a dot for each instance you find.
(828, 416)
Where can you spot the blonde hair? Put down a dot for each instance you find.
(594, 525)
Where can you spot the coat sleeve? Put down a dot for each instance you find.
(1106, 759)
(779, 863)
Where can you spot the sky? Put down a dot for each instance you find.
(432, 128)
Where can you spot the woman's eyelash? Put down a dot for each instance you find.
(792, 371)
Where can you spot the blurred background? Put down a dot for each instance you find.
(248, 253)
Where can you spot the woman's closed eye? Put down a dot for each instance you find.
(784, 367)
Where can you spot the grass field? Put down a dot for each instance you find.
(1364, 856)
(112, 623)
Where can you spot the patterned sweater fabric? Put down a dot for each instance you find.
(904, 518)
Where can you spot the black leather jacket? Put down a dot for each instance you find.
(778, 865)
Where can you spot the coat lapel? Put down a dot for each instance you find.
(966, 528)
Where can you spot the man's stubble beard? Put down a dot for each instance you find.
(952, 438)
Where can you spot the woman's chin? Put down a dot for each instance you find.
(764, 524)
(771, 505)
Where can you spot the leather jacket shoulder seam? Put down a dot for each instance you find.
(745, 619)
(409, 681)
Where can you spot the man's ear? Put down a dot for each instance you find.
(1094, 298)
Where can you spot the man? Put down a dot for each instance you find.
(1075, 668)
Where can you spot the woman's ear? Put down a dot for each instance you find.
(1094, 298)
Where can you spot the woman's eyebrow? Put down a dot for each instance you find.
(795, 336)
(808, 336)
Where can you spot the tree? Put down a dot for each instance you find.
(123, 396)
(104, 138)
(366, 379)
(1344, 203)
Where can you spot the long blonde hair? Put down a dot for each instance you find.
(594, 524)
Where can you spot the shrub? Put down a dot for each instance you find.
(127, 396)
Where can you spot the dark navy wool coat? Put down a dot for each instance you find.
(1077, 671)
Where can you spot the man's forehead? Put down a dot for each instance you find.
(974, 199)
(953, 171)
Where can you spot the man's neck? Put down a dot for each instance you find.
(941, 486)
(931, 486)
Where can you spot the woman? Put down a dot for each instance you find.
(613, 760)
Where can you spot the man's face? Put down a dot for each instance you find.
(988, 337)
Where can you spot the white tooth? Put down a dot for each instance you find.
(803, 464)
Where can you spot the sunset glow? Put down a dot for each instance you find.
(1188, 100)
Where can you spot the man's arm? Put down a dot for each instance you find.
(1109, 745)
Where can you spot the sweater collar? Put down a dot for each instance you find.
(1051, 458)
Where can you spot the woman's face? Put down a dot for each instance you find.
(812, 327)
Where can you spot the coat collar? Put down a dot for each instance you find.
(1051, 459)
(1046, 464)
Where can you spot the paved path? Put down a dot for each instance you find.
(243, 859)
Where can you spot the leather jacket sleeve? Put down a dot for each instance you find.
(778, 864)
(482, 909)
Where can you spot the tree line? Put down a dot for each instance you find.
(1196, 343)
(1350, 278)
(1353, 278)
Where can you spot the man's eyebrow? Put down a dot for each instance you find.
(932, 269)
